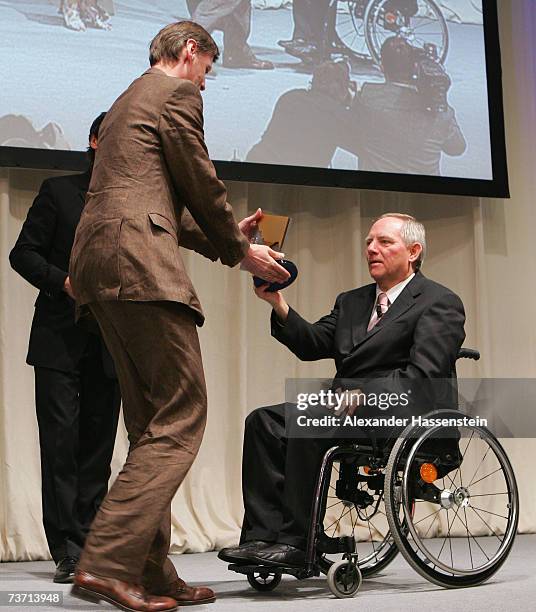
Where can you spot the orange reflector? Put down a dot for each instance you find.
(366, 469)
(428, 472)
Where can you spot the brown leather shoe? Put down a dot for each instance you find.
(123, 595)
(186, 595)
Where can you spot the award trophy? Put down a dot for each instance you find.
(271, 231)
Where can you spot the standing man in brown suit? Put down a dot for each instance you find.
(154, 189)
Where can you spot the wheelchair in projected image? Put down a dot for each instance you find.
(360, 27)
(452, 514)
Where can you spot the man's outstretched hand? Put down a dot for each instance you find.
(260, 260)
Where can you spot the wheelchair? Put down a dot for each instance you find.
(360, 27)
(451, 510)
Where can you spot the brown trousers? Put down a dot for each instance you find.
(158, 361)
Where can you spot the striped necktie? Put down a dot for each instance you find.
(382, 305)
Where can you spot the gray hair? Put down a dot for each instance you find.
(411, 232)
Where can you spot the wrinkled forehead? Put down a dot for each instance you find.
(388, 227)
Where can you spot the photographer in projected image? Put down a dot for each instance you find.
(405, 124)
(308, 125)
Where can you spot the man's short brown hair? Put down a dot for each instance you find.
(168, 44)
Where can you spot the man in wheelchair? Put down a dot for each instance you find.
(403, 328)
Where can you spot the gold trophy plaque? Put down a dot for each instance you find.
(271, 231)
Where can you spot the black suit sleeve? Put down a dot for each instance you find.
(30, 254)
(438, 336)
(308, 341)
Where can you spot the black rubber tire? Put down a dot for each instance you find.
(366, 570)
(337, 575)
(264, 587)
(426, 570)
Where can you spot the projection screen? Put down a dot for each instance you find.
(300, 95)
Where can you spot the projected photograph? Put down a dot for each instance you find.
(394, 86)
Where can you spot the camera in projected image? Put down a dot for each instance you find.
(431, 79)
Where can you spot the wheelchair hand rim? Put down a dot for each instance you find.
(509, 477)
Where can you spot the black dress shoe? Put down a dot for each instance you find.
(244, 552)
(303, 50)
(245, 58)
(291, 41)
(280, 555)
(64, 573)
(241, 61)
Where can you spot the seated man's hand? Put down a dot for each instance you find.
(248, 226)
(351, 404)
(260, 260)
(275, 299)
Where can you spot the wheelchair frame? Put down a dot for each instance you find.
(392, 474)
(374, 12)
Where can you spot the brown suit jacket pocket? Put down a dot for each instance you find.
(163, 223)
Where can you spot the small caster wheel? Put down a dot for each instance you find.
(264, 581)
(344, 579)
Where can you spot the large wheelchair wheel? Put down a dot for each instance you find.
(451, 502)
(362, 517)
(348, 23)
(420, 22)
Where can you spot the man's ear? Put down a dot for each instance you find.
(191, 47)
(93, 142)
(415, 251)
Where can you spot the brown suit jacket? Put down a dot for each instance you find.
(153, 189)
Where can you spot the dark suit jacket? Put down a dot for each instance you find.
(153, 189)
(418, 338)
(41, 256)
(393, 133)
(305, 129)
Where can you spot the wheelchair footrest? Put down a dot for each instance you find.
(298, 572)
(333, 546)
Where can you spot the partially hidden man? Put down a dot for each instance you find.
(76, 391)
(154, 189)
